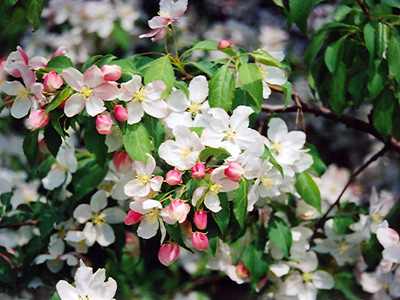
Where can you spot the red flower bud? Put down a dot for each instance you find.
(104, 124)
(121, 113)
(168, 253)
(132, 218)
(234, 171)
(198, 170)
(200, 241)
(111, 72)
(223, 44)
(200, 219)
(173, 177)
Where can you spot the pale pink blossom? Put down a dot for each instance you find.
(52, 82)
(173, 177)
(234, 171)
(111, 72)
(104, 124)
(38, 119)
(122, 161)
(142, 99)
(223, 44)
(168, 253)
(91, 90)
(177, 211)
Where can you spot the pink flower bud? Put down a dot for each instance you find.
(104, 124)
(121, 113)
(38, 119)
(242, 271)
(198, 170)
(223, 44)
(234, 171)
(168, 253)
(52, 82)
(178, 210)
(200, 219)
(209, 171)
(111, 72)
(200, 241)
(122, 161)
(173, 177)
(132, 218)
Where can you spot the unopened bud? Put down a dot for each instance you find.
(52, 82)
(234, 171)
(168, 253)
(111, 72)
(173, 177)
(242, 271)
(200, 219)
(38, 119)
(132, 218)
(122, 161)
(178, 210)
(200, 241)
(121, 113)
(198, 170)
(104, 124)
(223, 44)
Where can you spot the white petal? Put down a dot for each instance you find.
(98, 201)
(198, 89)
(74, 105)
(94, 105)
(83, 213)
(113, 215)
(212, 202)
(177, 101)
(323, 280)
(66, 291)
(147, 230)
(105, 234)
(73, 78)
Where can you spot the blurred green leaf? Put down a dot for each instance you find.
(222, 217)
(333, 55)
(33, 10)
(31, 147)
(308, 190)
(251, 78)
(240, 202)
(279, 233)
(256, 262)
(393, 55)
(383, 112)
(263, 57)
(222, 87)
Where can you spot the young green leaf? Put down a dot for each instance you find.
(161, 69)
(156, 130)
(240, 202)
(279, 233)
(392, 56)
(31, 147)
(256, 261)
(299, 12)
(308, 190)
(250, 77)
(383, 112)
(137, 142)
(33, 10)
(222, 217)
(337, 95)
(333, 55)
(175, 232)
(318, 165)
(222, 87)
(60, 63)
(313, 48)
(377, 78)
(52, 139)
(95, 143)
(263, 57)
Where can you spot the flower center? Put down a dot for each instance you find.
(140, 95)
(194, 108)
(87, 92)
(263, 71)
(377, 218)
(307, 277)
(230, 134)
(99, 220)
(215, 189)
(277, 147)
(185, 153)
(142, 179)
(152, 216)
(268, 183)
(22, 94)
(343, 247)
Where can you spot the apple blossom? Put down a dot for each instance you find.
(104, 124)
(91, 90)
(177, 211)
(168, 253)
(121, 113)
(173, 177)
(389, 239)
(170, 11)
(122, 161)
(234, 171)
(38, 119)
(132, 218)
(200, 219)
(200, 241)
(198, 170)
(111, 72)
(52, 82)
(143, 99)
(87, 285)
(144, 181)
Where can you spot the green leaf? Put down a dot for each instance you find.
(263, 57)
(46, 221)
(90, 61)
(222, 87)
(333, 55)
(222, 217)
(314, 47)
(267, 154)
(137, 142)
(55, 296)
(251, 78)
(175, 232)
(357, 88)
(341, 12)
(383, 112)
(216, 152)
(52, 139)
(33, 10)
(127, 69)
(318, 165)
(31, 147)
(60, 63)
(7, 274)
(212, 235)
(6, 12)
(341, 225)
(156, 130)
(240, 202)
(65, 93)
(105, 60)
(279, 233)
(344, 282)
(142, 63)
(287, 91)
(95, 142)
(377, 78)
(206, 67)
(382, 36)
(212, 46)
(369, 37)
(392, 56)
(86, 179)
(392, 3)
(337, 95)
(308, 190)
(299, 12)
(256, 261)
(161, 69)
(121, 37)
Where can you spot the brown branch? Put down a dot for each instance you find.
(326, 113)
(321, 221)
(200, 281)
(28, 223)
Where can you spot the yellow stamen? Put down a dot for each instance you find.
(142, 179)
(185, 153)
(230, 134)
(277, 147)
(263, 71)
(140, 95)
(194, 108)
(307, 277)
(268, 183)
(215, 189)
(22, 94)
(99, 220)
(87, 92)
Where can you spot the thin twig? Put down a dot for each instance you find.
(200, 281)
(28, 223)
(337, 202)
